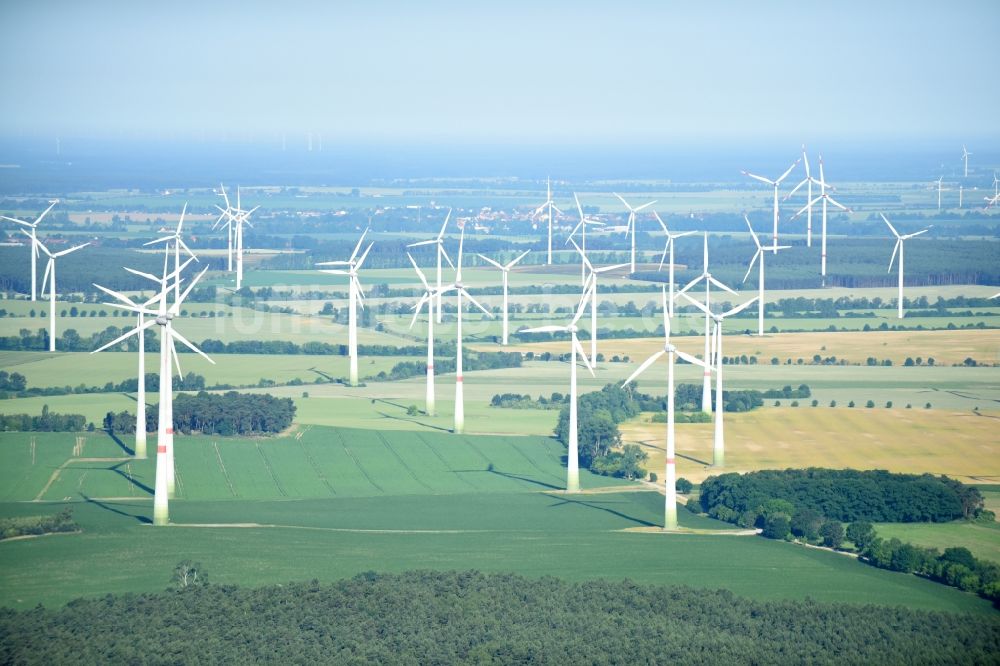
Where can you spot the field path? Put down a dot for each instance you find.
(270, 470)
(229, 482)
(58, 470)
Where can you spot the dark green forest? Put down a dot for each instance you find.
(423, 617)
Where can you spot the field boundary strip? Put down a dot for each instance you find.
(402, 462)
(444, 462)
(270, 470)
(316, 468)
(225, 473)
(59, 470)
(357, 462)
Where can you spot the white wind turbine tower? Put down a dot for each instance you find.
(899, 248)
(965, 158)
(428, 297)
(706, 277)
(505, 269)
(438, 242)
(573, 450)
(581, 226)
(630, 228)
(50, 279)
(808, 182)
(34, 243)
(460, 292)
(941, 188)
(163, 316)
(549, 205)
(355, 298)
(669, 247)
(826, 199)
(774, 183)
(719, 448)
(178, 243)
(670, 476)
(759, 256)
(592, 281)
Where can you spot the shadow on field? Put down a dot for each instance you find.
(693, 459)
(107, 507)
(415, 421)
(131, 479)
(507, 475)
(598, 505)
(120, 443)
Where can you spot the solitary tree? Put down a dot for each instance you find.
(189, 574)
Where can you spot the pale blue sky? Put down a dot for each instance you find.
(496, 71)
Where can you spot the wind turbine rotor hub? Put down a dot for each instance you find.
(161, 320)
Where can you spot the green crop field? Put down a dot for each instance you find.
(982, 539)
(333, 502)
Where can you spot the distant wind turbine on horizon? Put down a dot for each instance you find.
(899, 248)
(775, 184)
(33, 235)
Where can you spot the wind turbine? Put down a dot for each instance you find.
(505, 269)
(808, 182)
(592, 280)
(669, 247)
(630, 228)
(550, 205)
(899, 248)
(706, 277)
(965, 158)
(991, 201)
(227, 215)
(428, 297)
(759, 255)
(573, 453)
(826, 199)
(237, 217)
(719, 448)
(163, 317)
(178, 243)
(941, 188)
(34, 242)
(50, 279)
(355, 298)
(672, 352)
(581, 226)
(775, 183)
(438, 242)
(460, 292)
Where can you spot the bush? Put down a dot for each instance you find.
(833, 533)
(684, 486)
(693, 505)
(777, 526)
(870, 404)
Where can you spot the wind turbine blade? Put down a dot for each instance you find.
(796, 188)
(662, 225)
(645, 364)
(739, 308)
(476, 303)
(187, 249)
(838, 205)
(522, 256)
(579, 350)
(645, 205)
(756, 177)
(444, 226)
(544, 329)
(788, 171)
(427, 242)
(72, 249)
(806, 207)
(895, 248)
(164, 239)
(622, 200)
(334, 271)
(752, 261)
(605, 269)
(924, 231)
(583, 255)
(579, 209)
(584, 299)
(364, 256)
(487, 259)
(173, 355)
(691, 359)
(358, 246)
(224, 195)
(458, 267)
(48, 269)
(697, 304)
(176, 307)
(722, 286)
(689, 285)
(420, 273)
(184, 341)
(125, 336)
(444, 253)
(44, 213)
(21, 222)
(419, 305)
(145, 275)
(115, 294)
(755, 239)
(663, 257)
(339, 263)
(886, 220)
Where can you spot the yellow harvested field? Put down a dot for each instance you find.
(947, 347)
(961, 445)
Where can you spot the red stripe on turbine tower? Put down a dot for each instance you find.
(671, 461)
(161, 448)
(458, 379)
(170, 431)
(430, 366)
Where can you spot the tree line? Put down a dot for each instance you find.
(224, 414)
(468, 617)
(47, 421)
